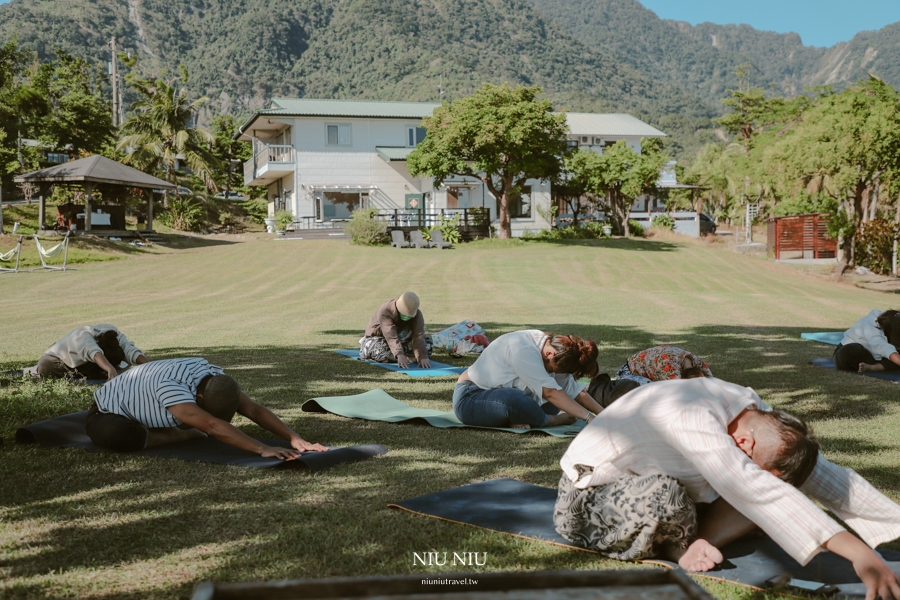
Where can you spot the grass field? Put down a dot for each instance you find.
(76, 524)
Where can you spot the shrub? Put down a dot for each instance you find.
(449, 229)
(183, 214)
(874, 246)
(256, 210)
(364, 229)
(635, 228)
(663, 221)
(587, 231)
(283, 219)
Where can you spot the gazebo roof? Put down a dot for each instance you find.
(95, 169)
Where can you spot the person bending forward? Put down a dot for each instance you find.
(636, 478)
(173, 400)
(91, 352)
(524, 379)
(871, 344)
(661, 363)
(396, 332)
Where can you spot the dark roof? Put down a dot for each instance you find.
(96, 169)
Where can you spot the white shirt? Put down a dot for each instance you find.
(79, 346)
(514, 360)
(866, 332)
(679, 428)
(143, 393)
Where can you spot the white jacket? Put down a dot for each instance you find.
(79, 346)
(866, 332)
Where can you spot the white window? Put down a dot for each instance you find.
(414, 136)
(520, 203)
(338, 134)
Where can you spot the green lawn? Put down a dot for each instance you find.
(76, 524)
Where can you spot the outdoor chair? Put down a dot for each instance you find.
(417, 239)
(398, 239)
(8, 256)
(45, 253)
(437, 240)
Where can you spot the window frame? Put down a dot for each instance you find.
(338, 125)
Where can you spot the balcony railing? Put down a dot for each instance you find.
(266, 156)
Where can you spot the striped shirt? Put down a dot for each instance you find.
(144, 392)
(679, 428)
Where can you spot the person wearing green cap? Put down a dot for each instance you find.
(397, 331)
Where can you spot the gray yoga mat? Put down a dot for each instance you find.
(825, 337)
(438, 369)
(526, 510)
(68, 432)
(828, 363)
(378, 405)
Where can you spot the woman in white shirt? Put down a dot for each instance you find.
(525, 378)
(90, 352)
(871, 344)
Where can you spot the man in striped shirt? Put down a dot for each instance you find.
(173, 400)
(632, 478)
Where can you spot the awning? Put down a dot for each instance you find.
(339, 188)
(393, 153)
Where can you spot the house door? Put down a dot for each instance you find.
(457, 197)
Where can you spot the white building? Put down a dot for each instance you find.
(321, 159)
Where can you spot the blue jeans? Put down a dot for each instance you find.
(499, 407)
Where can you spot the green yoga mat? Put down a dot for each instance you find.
(378, 405)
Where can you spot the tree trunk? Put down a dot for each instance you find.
(896, 236)
(847, 241)
(623, 213)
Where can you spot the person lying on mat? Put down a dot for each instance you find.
(661, 363)
(395, 332)
(684, 467)
(179, 399)
(871, 344)
(90, 352)
(525, 378)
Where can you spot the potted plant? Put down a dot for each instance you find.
(283, 219)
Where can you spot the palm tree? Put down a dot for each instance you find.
(159, 132)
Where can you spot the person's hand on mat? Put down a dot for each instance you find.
(881, 581)
(402, 361)
(276, 452)
(304, 446)
(424, 364)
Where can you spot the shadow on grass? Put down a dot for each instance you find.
(640, 245)
(114, 515)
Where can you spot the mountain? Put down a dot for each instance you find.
(588, 55)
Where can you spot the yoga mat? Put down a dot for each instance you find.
(438, 369)
(826, 337)
(378, 405)
(828, 363)
(526, 510)
(68, 432)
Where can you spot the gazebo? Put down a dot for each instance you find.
(94, 173)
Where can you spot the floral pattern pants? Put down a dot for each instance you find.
(629, 519)
(376, 348)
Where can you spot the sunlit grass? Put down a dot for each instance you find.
(78, 524)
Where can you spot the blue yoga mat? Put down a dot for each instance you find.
(828, 363)
(526, 510)
(438, 369)
(826, 337)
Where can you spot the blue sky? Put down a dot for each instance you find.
(819, 22)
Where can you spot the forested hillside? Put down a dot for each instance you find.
(597, 55)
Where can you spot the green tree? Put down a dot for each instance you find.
(226, 149)
(621, 175)
(571, 185)
(75, 117)
(840, 148)
(500, 135)
(160, 129)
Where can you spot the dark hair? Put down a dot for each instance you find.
(109, 344)
(574, 356)
(221, 395)
(799, 451)
(692, 373)
(885, 323)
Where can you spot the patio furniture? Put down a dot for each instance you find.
(417, 239)
(398, 240)
(7, 257)
(437, 240)
(45, 253)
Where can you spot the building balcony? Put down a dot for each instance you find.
(271, 162)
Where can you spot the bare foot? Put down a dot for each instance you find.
(524, 426)
(867, 368)
(560, 419)
(700, 556)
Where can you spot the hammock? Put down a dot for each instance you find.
(45, 253)
(8, 256)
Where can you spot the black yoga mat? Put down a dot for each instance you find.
(828, 363)
(68, 432)
(526, 510)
